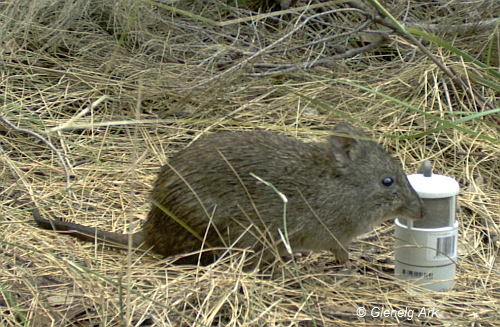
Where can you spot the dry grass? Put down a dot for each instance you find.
(169, 76)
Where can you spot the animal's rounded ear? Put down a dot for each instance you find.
(348, 129)
(346, 143)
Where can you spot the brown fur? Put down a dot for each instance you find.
(335, 191)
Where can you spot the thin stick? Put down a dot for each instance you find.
(41, 138)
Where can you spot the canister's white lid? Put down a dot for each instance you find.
(434, 187)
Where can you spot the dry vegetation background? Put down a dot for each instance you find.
(118, 86)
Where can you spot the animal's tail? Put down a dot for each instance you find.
(89, 234)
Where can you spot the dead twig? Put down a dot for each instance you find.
(60, 157)
(273, 69)
(385, 18)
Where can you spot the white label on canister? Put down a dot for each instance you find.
(441, 245)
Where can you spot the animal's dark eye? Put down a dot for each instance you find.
(388, 181)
